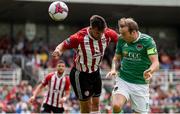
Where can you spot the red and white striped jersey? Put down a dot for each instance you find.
(89, 52)
(56, 88)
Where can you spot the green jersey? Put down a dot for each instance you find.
(134, 58)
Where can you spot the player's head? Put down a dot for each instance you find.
(128, 28)
(97, 26)
(60, 66)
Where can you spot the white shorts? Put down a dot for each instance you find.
(138, 94)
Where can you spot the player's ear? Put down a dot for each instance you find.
(133, 32)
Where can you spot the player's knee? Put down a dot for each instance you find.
(117, 108)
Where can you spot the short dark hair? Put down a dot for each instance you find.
(61, 61)
(98, 22)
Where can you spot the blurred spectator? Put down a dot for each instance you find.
(6, 58)
(165, 60)
(5, 42)
(43, 57)
(176, 62)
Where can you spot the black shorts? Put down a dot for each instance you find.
(86, 85)
(48, 109)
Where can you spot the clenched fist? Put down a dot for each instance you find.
(56, 54)
(147, 74)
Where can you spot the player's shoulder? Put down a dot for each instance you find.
(83, 31)
(50, 75)
(145, 36)
(109, 31)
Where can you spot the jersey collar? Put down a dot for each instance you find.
(139, 33)
(56, 74)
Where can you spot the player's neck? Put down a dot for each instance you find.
(59, 74)
(135, 37)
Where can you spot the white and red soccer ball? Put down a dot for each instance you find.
(58, 10)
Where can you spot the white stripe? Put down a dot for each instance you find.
(78, 84)
(97, 48)
(88, 53)
(81, 58)
(61, 89)
(56, 93)
(51, 90)
(104, 44)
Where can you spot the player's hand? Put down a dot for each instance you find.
(147, 74)
(111, 74)
(32, 99)
(62, 100)
(55, 54)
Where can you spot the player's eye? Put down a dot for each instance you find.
(122, 26)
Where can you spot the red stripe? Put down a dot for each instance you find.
(62, 95)
(53, 92)
(101, 49)
(84, 55)
(58, 92)
(93, 52)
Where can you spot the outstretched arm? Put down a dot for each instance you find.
(36, 92)
(67, 94)
(115, 65)
(58, 51)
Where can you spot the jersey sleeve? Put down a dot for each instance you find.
(113, 35)
(67, 86)
(151, 47)
(119, 46)
(46, 79)
(71, 42)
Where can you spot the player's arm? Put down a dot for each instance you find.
(69, 43)
(153, 57)
(155, 63)
(154, 66)
(115, 62)
(67, 90)
(36, 92)
(59, 50)
(115, 65)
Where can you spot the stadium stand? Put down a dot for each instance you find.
(24, 62)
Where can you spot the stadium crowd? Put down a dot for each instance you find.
(15, 99)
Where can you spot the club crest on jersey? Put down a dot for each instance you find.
(139, 47)
(103, 40)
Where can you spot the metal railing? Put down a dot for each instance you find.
(161, 77)
(10, 76)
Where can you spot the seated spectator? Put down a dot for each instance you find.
(6, 58)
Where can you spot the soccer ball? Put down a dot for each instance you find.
(58, 10)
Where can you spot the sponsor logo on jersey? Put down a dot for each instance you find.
(86, 43)
(103, 40)
(132, 56)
